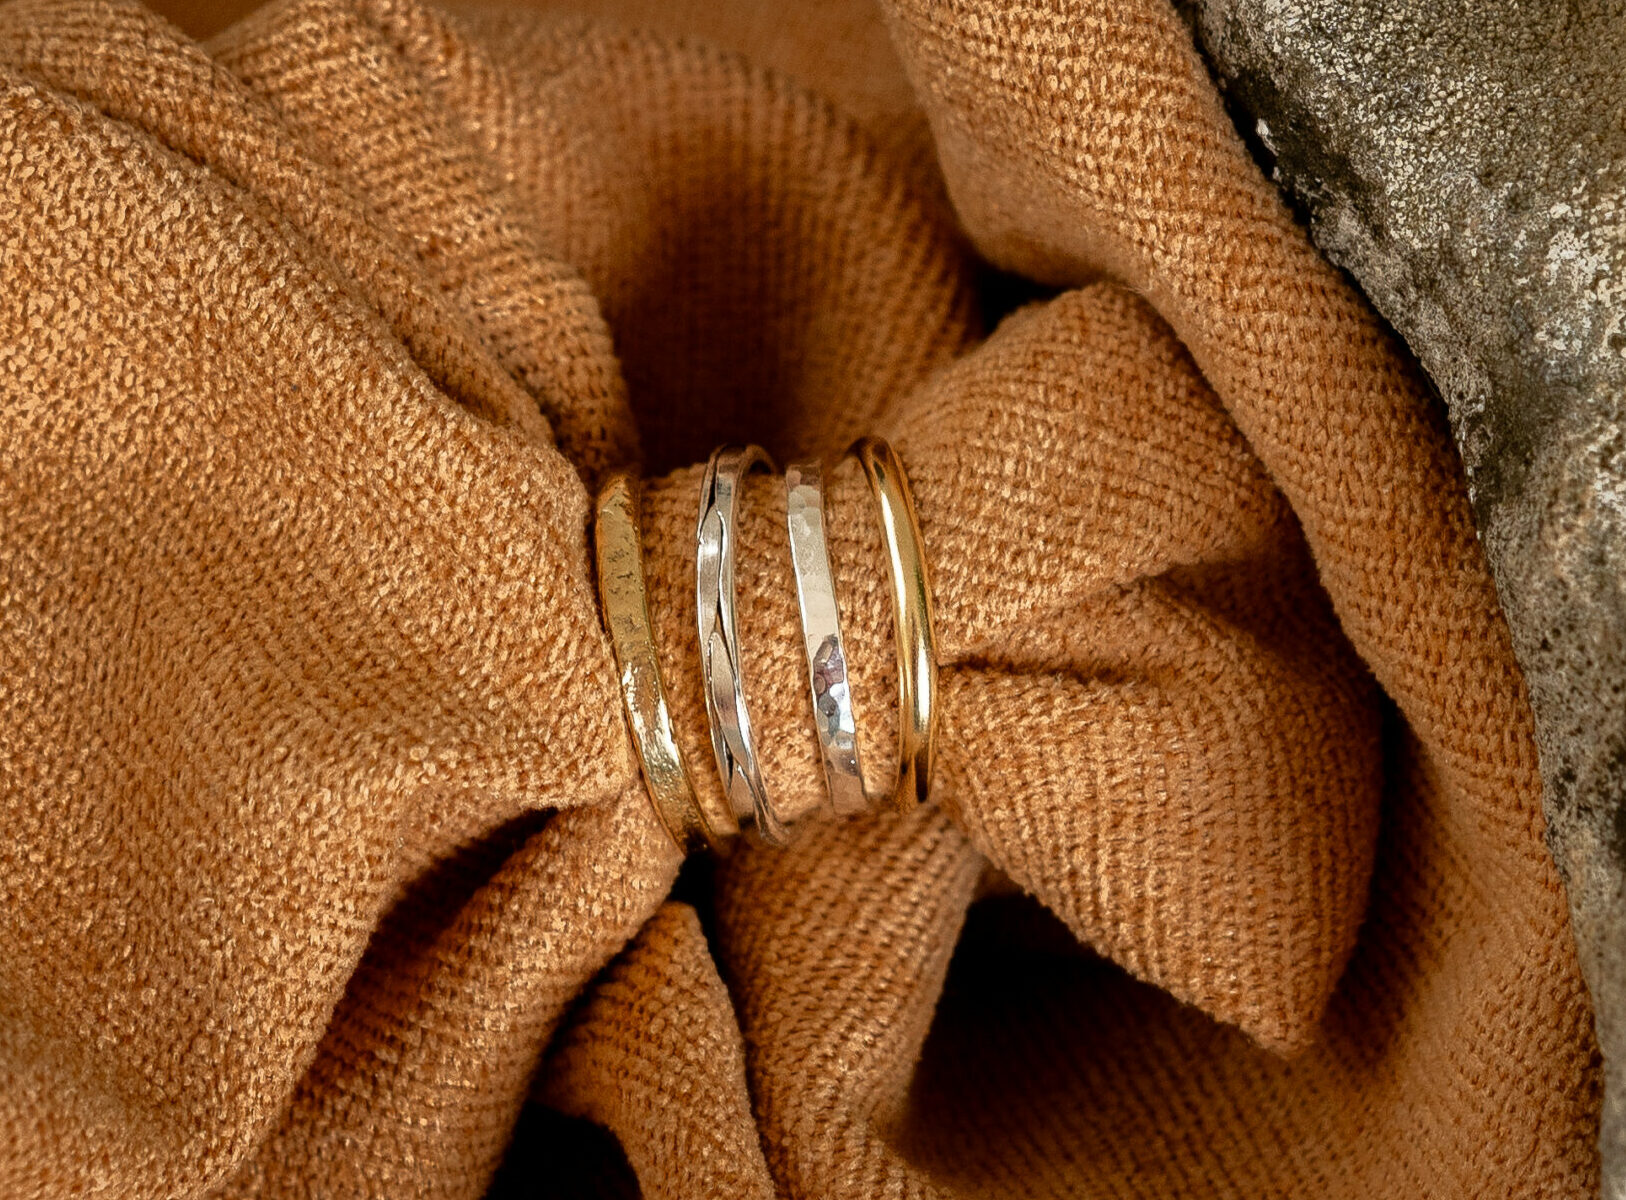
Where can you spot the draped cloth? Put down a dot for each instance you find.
(324, 861)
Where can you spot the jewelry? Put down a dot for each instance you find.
(625, 604)
(821, 635)
(912, 620)
(715, 536)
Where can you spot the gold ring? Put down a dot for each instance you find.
(912, 620)
(625, 604)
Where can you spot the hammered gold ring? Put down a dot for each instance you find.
(625, 604)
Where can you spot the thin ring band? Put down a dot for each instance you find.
(821, 636)
(625, 604)
(912, 620)
(716, 533)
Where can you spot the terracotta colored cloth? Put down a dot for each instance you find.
(323, 854)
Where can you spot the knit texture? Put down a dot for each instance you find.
(324, 853)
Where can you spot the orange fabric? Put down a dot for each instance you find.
(325, 850)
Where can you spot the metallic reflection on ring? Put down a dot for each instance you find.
(716, 534)
(625, 604)
(821, 635)
(912, 619)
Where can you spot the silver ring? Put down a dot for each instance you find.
(821, 635)
(715, 536)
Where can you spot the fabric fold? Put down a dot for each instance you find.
(1145, 696)
(322, 824)
(655, 1055)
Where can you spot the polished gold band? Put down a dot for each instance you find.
(912, 620)
(625, 604)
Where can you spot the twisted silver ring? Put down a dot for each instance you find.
(715, 536)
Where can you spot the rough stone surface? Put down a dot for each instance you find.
(1467, 164)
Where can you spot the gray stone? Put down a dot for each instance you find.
(1466, 163)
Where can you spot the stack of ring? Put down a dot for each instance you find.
(691, 821)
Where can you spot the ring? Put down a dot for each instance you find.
(912, 620)
(821, 635)
(715, 536)
(625, 604)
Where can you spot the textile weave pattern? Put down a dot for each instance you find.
(323, 854)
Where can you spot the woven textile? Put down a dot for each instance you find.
(324, 861)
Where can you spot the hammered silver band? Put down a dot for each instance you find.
(716, 535)
(821, 636)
